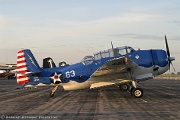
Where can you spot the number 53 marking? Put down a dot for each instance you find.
(70, 74)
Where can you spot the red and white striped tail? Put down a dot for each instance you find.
(22, 78)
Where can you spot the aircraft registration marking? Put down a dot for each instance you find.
(71, 73)
(36, 78)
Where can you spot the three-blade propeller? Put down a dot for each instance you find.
(170, 59)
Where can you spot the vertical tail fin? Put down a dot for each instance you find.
(26, 63)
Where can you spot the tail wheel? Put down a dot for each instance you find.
(137, 92)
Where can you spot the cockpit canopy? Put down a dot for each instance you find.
(87, 60)
(113, 52)
(107, 53)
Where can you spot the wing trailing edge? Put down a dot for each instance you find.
(109, 83)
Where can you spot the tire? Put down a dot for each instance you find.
(137, 92)
(123, 87)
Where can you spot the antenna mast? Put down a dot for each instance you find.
(112, 45)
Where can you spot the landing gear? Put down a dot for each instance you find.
(124, 87)
(51, 94)
(135, 91)
(53, 91)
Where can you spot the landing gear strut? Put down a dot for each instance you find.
(53, 91)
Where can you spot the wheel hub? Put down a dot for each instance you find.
(138, 93)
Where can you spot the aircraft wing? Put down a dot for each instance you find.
(117, 65)
(118, 71)
(7, 68)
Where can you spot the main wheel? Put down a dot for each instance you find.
(137, 92)
(124, 87)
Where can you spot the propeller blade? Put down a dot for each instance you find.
(167, 47)
(170, 59)
(173, 67)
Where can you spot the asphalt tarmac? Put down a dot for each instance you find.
(161, 101)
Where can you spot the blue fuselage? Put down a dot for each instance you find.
(81, 72)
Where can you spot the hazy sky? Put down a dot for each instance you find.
(68, 30)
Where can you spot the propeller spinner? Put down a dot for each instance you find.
(170, 59)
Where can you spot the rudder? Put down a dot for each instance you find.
(26, 63)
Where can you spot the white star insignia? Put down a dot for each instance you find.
(56, 77)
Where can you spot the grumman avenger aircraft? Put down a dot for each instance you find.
(121, 66)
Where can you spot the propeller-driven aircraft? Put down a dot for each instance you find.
(8, 70)
(8, 66)
(121, 66)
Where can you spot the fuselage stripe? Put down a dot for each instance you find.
(21, 51)
(22, 82)
(22, 69)
(22, 66)
(22, 77)
(21, 59)
(20, 54)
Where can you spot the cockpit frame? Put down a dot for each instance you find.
(114, 52)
